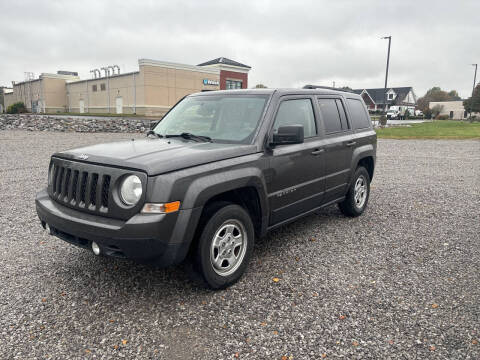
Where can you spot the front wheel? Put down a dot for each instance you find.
(224, 247)
(356, 200)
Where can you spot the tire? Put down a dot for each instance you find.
(354, 206)
(224, 246)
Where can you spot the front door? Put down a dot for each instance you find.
(81, 106)
(296, 184)
(119, 105)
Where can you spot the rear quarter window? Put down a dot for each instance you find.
(358, 114)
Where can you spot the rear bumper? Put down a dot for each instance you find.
(162, 239)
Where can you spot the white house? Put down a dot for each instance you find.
(399, 96)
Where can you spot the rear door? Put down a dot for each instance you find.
(296, 184)
(338, 145)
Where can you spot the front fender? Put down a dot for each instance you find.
(204, 188)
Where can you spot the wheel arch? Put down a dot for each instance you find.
(364, 156)
(244, 187)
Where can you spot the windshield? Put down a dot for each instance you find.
(223, 118)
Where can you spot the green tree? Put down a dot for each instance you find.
(472, 104)
(454, 95)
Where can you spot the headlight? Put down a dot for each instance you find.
(131, 190)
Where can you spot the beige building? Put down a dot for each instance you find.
(453, 109)
(151, 91)
(45, 94)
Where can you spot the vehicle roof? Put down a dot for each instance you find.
(278, 91)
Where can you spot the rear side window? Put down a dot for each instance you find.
(333, 115)
(297, 112)
(358, 114)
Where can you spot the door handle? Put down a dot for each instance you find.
(317, 151)
(351, 143)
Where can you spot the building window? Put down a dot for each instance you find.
(94, 88)
(233, 84)
(390, 96)
(102, 87)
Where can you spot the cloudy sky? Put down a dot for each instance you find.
(287, 43)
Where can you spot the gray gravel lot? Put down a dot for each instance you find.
(402, 281)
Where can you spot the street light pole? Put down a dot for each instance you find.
(386, 74)
(473, 89)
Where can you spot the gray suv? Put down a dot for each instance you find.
(220, 170)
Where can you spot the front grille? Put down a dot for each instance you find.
(92, 188)
(81, 189)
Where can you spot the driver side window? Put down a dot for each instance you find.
(296, 112)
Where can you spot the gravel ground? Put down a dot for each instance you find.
(402, 281)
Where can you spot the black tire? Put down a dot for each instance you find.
(350, 206)
(213, 273)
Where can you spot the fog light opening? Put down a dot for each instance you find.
(95, 248)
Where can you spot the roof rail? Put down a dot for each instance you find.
(326, 87)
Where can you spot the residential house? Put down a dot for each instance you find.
(398, 96)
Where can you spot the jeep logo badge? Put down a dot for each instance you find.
(82, 157)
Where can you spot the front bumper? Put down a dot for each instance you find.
(162, 239)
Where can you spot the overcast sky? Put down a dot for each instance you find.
(287, 43)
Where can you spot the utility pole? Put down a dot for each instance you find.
(474, 77)
(473, 89)
(386, 75)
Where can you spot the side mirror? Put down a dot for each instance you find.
(291, 134)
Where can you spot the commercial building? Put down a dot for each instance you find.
(152, 90)
(3, 91)
(45, 94)
(452, 109)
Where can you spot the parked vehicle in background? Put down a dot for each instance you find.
(219, 170)
(419, 113)
(393, 114)
(400, 111)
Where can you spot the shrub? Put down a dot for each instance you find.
(428, 114)
(383, 120)
(443, 117)
(17, 108)
(406, 115)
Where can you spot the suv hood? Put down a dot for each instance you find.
(156, 156)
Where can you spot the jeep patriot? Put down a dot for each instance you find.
(220, 170)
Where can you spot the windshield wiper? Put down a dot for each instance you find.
(151, 132)
(190, 136)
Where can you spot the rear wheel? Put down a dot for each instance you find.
(356, 200)
(224, 246)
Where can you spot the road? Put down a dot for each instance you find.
(401, 281)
